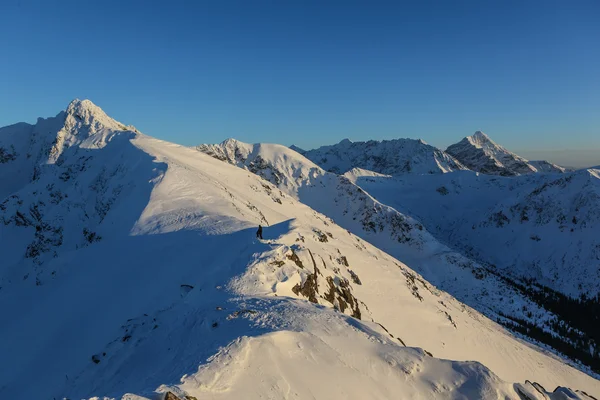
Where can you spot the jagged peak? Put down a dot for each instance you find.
(86, 113)
(230, 142)
(82, 108)
(81, 121)
(481, 135)
(480, 139)
(345, 142)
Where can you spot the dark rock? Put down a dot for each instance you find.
(354, 277)
(294, 257)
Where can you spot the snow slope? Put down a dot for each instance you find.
(479, 153)
(392, 157)
(540, 231)
(477, 284)
(543, 227)
(174, 294)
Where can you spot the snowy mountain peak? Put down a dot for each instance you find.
(229, 142)
(86, 113)
(481, 154)
(479, 138)
(80, 107)
(345, 142)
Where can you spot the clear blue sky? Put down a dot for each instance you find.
(312, 72)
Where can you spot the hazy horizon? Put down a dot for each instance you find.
(574, 158)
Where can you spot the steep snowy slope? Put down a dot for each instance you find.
(478, 285)
(392, 157)
(479, 153)
(541, 231)
(177, 296)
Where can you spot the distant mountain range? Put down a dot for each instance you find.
(392, 157)
(402, 156)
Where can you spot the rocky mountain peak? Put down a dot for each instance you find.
(481, 154)
(86, 113)
(480, 138)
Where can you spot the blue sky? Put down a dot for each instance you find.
(312, 72)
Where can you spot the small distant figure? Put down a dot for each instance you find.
(259, 232)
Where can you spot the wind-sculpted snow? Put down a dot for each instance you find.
(169, 294)
(392, 157)
(479, 153)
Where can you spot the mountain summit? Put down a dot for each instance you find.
(481, 154)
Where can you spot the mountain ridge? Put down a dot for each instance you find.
(338, 197)
(390, 157)
(145, 278)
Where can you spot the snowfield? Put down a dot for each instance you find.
(130, 269)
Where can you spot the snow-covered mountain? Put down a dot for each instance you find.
(480, 285)
(392, 157)
(130, 270)
(539, 231)
(57, 188)
(543, 227)
(481, 154)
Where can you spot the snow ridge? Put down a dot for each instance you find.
(391, 157)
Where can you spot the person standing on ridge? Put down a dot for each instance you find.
(259, 232)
